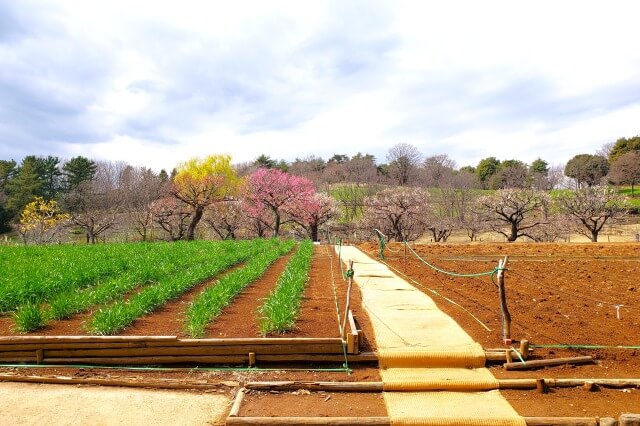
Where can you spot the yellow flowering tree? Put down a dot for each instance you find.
(41, 220)
(202, 182)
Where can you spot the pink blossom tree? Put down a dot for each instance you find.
(277, 192)
(313, 212)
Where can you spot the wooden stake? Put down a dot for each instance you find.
(508, 356)
(524, 349)
(541, 386)
(506, 316)
(252, 359)
(39, 356)
(348, 302)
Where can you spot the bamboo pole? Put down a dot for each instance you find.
(547, 363)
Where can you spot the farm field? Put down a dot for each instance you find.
(558, 294)
(187, 290)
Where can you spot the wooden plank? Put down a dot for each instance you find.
(144, 360)
(547, 363)
(362, 357)
(259, 341)
(77, 345)
(17, 354)
(196, 350)
(353, 342)
(221, 359)
(12, 340)
(88, 344)
(332, 421)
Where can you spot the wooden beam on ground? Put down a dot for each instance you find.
(12, 340)
(237, 403)
(316, 386)
(121, 382)
(561, 421)
(547, 363)
(332, 421)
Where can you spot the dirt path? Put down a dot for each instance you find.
(240, 318)
(168, 320)
(31, 404)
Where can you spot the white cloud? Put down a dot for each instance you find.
(154, 83)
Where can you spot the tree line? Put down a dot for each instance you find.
(410, 195)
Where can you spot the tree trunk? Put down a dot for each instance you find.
(194, 222)
(594, 236)
(314, 232)
(514, 233)
(276, 225)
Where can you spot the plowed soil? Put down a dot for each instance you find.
(557, 294)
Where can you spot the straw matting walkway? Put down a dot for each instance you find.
(433, 372)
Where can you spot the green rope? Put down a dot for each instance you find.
(569, 346)
(440, 295)
(453, 274)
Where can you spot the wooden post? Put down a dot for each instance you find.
(524, 349)
(39, 356)
(541, 386)
(348, 302)
(252, 359)
(506, 316)
(508, 355)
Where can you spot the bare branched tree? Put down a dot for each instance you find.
(226, 219)
(513, 213)
(173, 216)
(592, 207)
(404, 160)
(95, 205)
(397, 212)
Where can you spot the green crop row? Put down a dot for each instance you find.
(282, 307)
(36, 273)
(116, 317)
(214, 299)
(147, 267)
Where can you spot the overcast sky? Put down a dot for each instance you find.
(155, 83)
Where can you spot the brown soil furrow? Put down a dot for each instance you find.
(240, 318)
(168, 320)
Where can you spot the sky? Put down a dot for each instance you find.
(154, 83)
